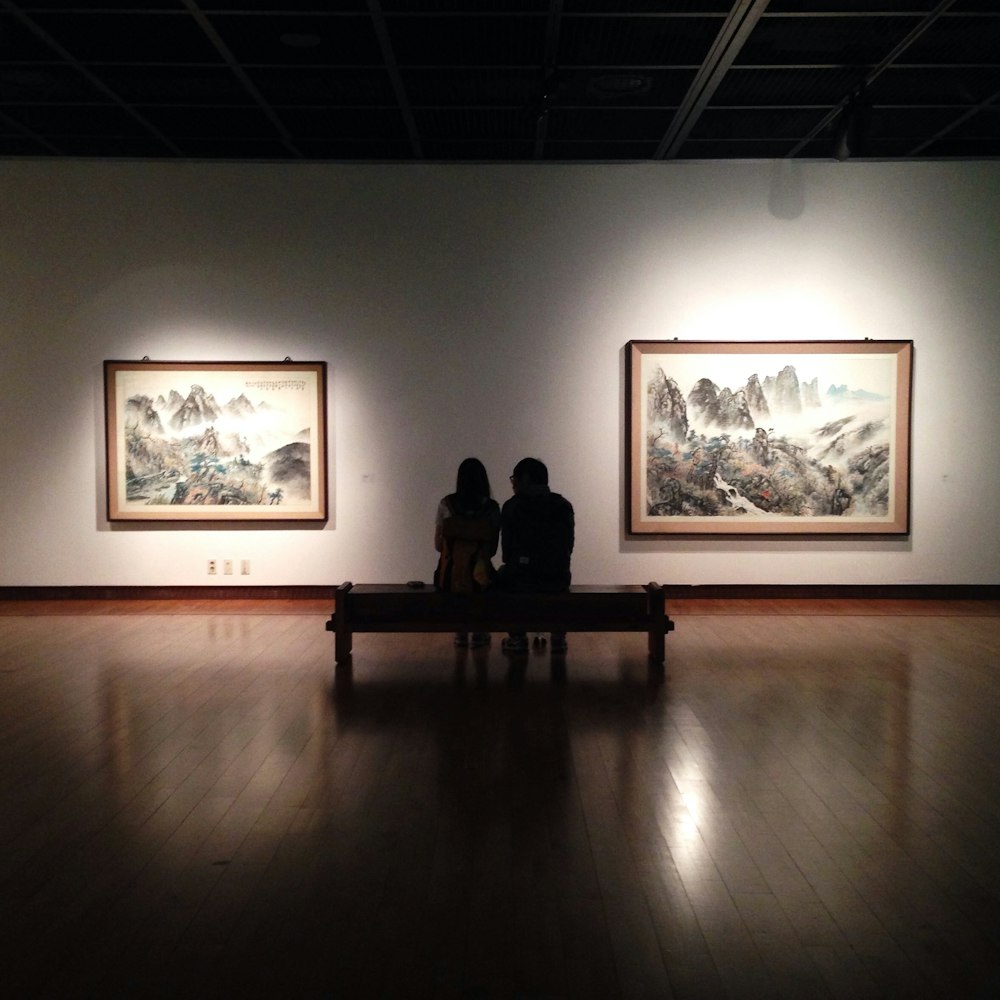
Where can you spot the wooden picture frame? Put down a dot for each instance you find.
(216, 441)
(768, 438)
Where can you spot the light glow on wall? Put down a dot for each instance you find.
(791, 313)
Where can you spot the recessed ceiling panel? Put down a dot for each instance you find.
(500, 80)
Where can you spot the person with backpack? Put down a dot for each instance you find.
(466, 536)
(537, 536)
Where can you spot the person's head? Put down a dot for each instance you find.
(472, 483)
(529, 472)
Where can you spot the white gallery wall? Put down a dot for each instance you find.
(483, 310)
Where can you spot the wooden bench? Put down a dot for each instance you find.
(397, 607)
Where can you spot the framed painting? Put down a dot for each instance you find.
(216, 441)
(791, 438)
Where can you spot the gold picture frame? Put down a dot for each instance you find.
(768, 438)
(216, 441)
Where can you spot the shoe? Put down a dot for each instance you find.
(480, 639)
(538, 642)
(558, 642)
(515, 644)
(461, 638)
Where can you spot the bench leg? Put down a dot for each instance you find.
(343, 636)
(656, 607)
(342, 646)
(657, 646)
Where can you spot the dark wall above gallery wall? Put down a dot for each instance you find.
(501, 81)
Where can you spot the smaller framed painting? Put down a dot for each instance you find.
(762, 438)
(216, 441)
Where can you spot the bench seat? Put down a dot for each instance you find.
(397, 607)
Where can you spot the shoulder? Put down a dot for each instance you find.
(562, 508)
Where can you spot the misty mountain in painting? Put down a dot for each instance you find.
(188, 449)
(776, 446)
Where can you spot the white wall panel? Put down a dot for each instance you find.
(483, 310)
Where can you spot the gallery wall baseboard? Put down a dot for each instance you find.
(963, 592)
(165, 593)
(878, 591)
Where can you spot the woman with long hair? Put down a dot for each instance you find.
(466, 536)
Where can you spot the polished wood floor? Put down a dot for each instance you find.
(194, 804)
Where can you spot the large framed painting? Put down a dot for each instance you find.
(791, 438)
(216, 441)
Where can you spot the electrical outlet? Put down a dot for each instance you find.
(227, 567)
(213, 567)
(245, 567)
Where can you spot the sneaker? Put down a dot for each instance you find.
(480, 639)
(461, 638)
(558, 642)
(515, 644)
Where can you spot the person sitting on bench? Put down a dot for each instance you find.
(536, 541)
(466, 533)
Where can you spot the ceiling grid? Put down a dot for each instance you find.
(500, 80)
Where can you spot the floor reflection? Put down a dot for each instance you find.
(800, 807)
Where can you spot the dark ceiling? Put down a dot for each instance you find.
(500, 80)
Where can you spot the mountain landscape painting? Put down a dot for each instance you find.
(776, 438)
(216, 441)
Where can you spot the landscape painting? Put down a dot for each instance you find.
(216, 441)
(808, 437)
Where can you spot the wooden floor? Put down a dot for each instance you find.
(194, 804)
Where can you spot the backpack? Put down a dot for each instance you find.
(464, 566)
